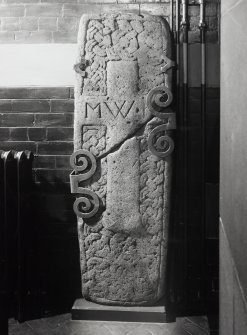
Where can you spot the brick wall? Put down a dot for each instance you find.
(56, 21)
(41, 120)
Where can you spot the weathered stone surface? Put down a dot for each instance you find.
(123, 247)
(122, 213)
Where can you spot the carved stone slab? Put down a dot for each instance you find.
(122, 156)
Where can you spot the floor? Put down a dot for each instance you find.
(62, 325)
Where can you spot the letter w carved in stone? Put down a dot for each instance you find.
(93, 109)
(116, 108)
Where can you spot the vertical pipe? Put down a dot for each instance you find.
(171, 16)
(184, 122)
(178, 287)
(202, 27)
(181, 24)
(18, 156)
(6, 156)
(21, 158)
(178, 46)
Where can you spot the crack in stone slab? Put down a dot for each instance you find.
(117, 146)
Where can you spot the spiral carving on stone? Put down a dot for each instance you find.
(158, 98)
(87, 205)
(84, 162)
(160, 144)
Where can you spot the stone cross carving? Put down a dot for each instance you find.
(122, 160)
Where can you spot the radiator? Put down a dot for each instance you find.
(15, 186)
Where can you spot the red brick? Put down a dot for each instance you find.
(18, 134)
(52, 175)
(13, 93)
(212, 36)
(62, 106)
(194, 22)
(34, 93)
(63, 162)
(22, 36)
(44, 10)
(194, 36)
(55, 148)
(211, 9)
(155, 9)
(60, 134)
(37, 134)
(4, 134)
(40, 37)
(53, 187)
(58, 1)
(16, 120)
(64, 37)
(39, 106)
(44, 162)
(7, 37)
(78, 10)
(194, 11)
(29, 23)
(10, 23)
(18, 145)
(104, 1)
(72, 93)
(48, 23)
(52, 92)
(147, 1)
(11, 10)
(21, 1)
(68, 24)
(33, 37)
(5, 105)
(52, 120)
(135, 8)
(212, 23)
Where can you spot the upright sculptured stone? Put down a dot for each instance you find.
(122, 160)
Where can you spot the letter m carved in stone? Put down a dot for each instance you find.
(93, 110)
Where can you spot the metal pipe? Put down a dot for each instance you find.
(202, 27)
(179, 285)
(20, 156)
(184, 121)
(185, 25)
(171, 16)
(6, 157)
(178, 46)
(24, 174)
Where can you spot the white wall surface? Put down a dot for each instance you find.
(37, 64)
(52, 65)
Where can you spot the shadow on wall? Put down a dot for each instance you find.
(52, 273)
(57, 246)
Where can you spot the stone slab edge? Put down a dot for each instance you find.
(87, 310)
